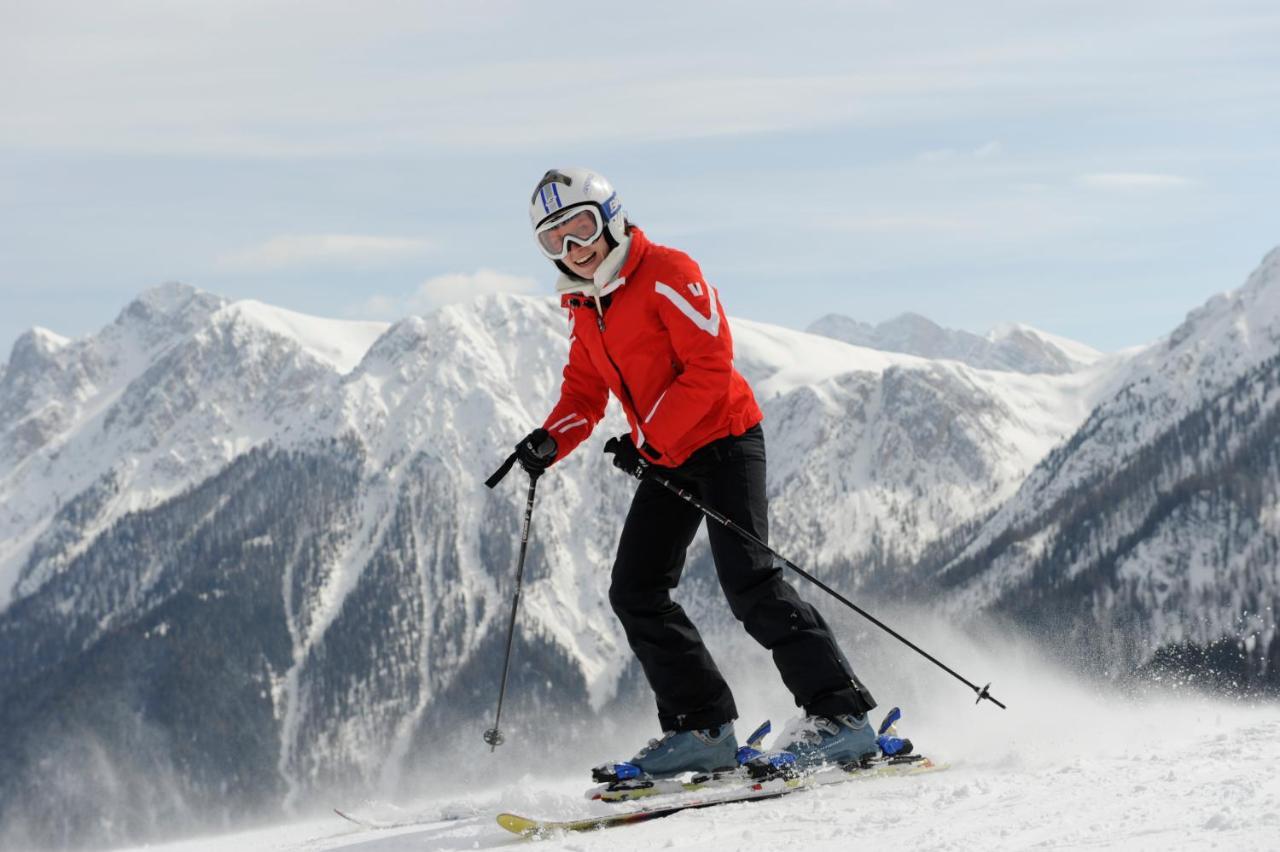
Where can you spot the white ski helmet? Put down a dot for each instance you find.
(562, 191)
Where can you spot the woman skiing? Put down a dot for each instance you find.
(646, 326)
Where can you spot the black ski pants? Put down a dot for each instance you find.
(729, 476)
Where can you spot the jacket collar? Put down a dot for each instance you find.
(639, 248)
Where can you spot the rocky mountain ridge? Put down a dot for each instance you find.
(224, 511)
(1015, 347)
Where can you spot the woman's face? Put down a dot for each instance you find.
(585, 260)
(582, 260)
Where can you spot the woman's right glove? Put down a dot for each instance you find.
(536, 451)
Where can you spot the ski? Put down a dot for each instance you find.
(383, 824)
(751, 791)
(364, 823)
(753, 764)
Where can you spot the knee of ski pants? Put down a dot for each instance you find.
(628, 599)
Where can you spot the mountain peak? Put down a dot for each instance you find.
(1264, 282)
(1073, 353)
(167, 298)
(36, 343)
(169, 307)
(1012, 347)
(1269, 268)
(1244, 321)
(50, 341)
(910, 319)
(339, 343)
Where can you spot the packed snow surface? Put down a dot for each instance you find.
(1069, 765)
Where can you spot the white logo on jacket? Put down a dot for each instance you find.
(711, 324)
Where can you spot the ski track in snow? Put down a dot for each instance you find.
(1070, 766)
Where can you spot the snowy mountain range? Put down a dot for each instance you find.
(247, 554)
(1012, 346)
(1186, 460)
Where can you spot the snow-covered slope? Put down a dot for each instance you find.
(179, 385)
(311, 491)
(1028, 346)
(293, 508)
(1066, 767)
(1164, 503)
(875, 454)
(1015, 347)
(340, 343)
(183, 382)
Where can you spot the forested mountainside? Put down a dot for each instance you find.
(1150, 537)
(247, 555)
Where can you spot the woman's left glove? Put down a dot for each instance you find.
(626, 457)
(536, 451)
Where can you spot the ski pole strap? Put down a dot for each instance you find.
(500, 473)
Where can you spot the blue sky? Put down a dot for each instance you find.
(1096, 169)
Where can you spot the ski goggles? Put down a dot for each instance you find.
(581, 225)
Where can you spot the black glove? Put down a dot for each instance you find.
(536, 451)
(626, 457)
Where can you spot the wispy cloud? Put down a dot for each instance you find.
(1134, 180)
(306, 249)
(448, 289)
(383, 79)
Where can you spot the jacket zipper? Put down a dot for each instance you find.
(621, 381)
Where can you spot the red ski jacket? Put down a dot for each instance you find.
(660, 342)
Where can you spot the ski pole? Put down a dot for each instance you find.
(982, 692)
(493, 736)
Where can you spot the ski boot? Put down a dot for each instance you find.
(644, 786)
(831, 739)
(847, 741)
(676, 752)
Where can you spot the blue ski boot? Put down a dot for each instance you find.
(708, 750)
(831, 739)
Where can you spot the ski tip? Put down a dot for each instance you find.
(351, 819)
(517, 824)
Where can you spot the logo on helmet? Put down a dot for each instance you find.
(611, 206)
(551, 198)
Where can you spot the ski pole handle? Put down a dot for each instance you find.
(545, 449)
